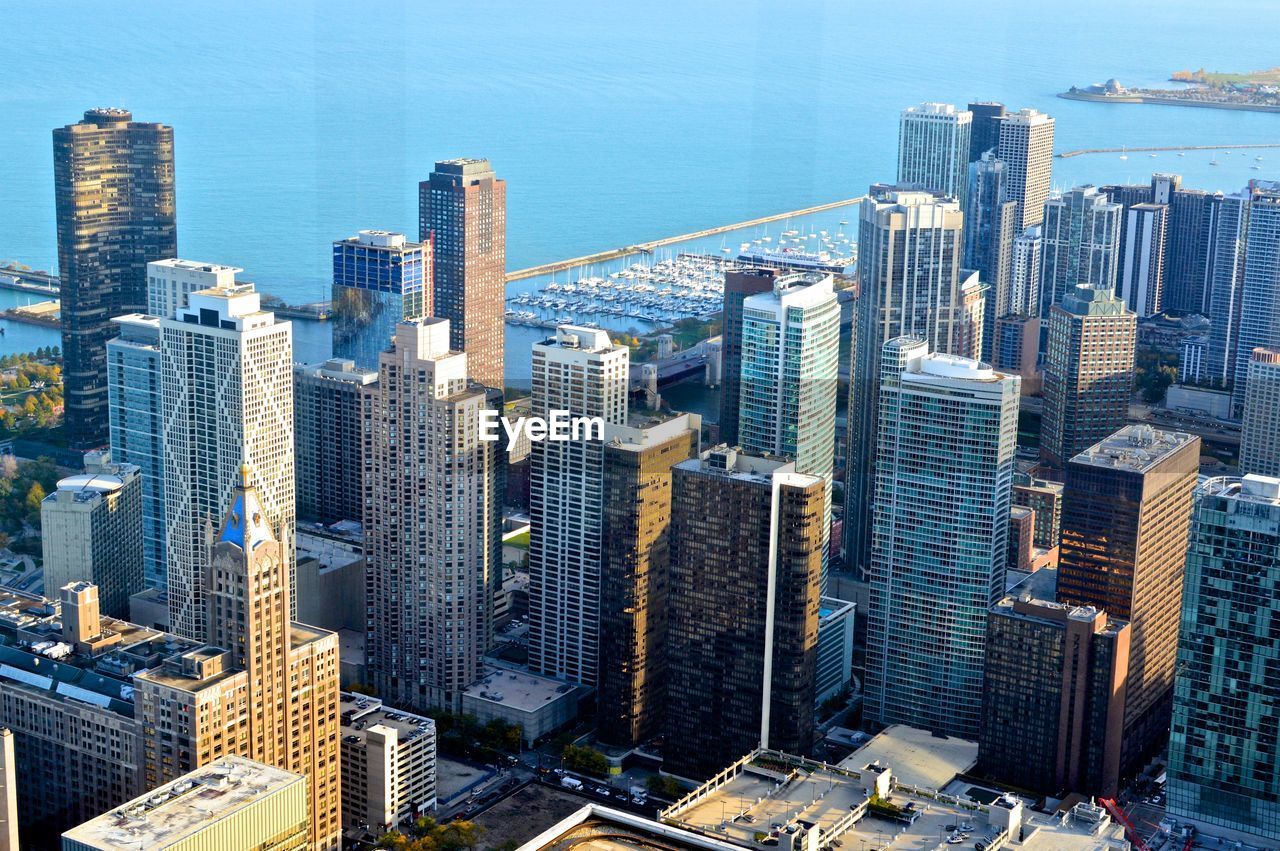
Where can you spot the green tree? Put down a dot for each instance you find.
(584, 759)
(35, 495)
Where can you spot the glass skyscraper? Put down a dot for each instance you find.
(943, 488)
(379, 280)
(1223, 770)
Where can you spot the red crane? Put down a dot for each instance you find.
(1118, 814)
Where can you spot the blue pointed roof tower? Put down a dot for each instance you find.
(245, 524)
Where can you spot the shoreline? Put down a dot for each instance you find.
(1169, 101)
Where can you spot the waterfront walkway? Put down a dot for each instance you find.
(1068, 154)
(648, 247)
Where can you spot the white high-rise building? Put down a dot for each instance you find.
(432, 521)
(581, 372)
(790, 369)
(1024, 274)
(1141, 271)
(1260, 434)
(1026, 147)
(948, 429)
(170, 282)
(1259, 284)
(933, 148)
(137, 427)
(227, 385)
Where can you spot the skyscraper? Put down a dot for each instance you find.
(944, 472)
(137, 428)
(1224, 281)
(635, 571)
(90, 531)
(581, 372)
(1226, 700)
(1193, 220)
(1081, 234)
(1088, 372)
(329, 437)
(227, 393)
(462, 210)
(1126, 507)
(432, 522)
(113, 183)
(171, 280)
(1260, 283)
(742, 641)
(1024, 273)
(910, 247)
(989, 232)
(379, 281)
(790, 368)
(738, 285)
(1053, 693)
(1142, 259)
(985, 133)
(1026, 148)
(1260, 436)
(933, 148)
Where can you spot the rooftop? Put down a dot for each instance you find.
(597, 828)
(917, 757)
(1135, 448)
(768, 788)
(194, 266)
(34, 656)
(518, 690)
(165, 816)
(360, 713)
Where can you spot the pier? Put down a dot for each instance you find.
(1082, 151)
(649, 247)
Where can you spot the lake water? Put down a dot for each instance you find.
(301, 122)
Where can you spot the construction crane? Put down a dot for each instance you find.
(1119, 815)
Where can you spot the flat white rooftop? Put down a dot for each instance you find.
(916, 757)
(165, 815)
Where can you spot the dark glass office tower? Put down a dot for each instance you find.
(738, 285)
(746, 552)
(464, 205)
(1125, 518)
(985, 132)
(114, 188)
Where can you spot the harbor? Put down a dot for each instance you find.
(1064, 155)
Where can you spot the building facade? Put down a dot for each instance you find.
(432, 522)
(462, 210)
(137, 428)
(1224, 288)
(910, 249)
(1226, 702)
(91, 531)
(1088, 372)
(1260, 434)
(581, 372)
(227, 399)
(171, 280)
(328, 439)
(388, 765)
(989, 232)
(985, 133)
(635, 571)
(116, 211)
(1053, 699)
(933, 148)
(944, 473)
(1142, 258)
(1260, 284)
(739, 284)
(1026, 149)
(1081, 233)
(379, 281)
(1126, 511)
(746, 555)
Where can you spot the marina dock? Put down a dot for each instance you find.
(1082, 151)
(649, 247)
